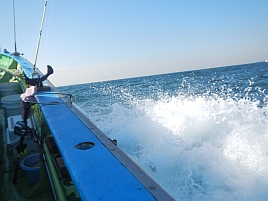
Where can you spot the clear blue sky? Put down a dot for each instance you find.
(88, 41)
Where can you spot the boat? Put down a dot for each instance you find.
(58, 153)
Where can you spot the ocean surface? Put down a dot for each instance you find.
(202, 135)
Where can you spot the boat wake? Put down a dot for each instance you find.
(196, 148)
(201, 135)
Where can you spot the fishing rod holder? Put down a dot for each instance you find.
(21, 129)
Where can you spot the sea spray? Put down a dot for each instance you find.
(202, 135)
(198, 149)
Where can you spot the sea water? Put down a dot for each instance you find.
(202, 135)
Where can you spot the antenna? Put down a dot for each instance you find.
(14, 26)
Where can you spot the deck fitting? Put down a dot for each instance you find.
(151, 187)
(85, 145)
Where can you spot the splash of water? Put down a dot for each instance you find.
(203, 135)
(196, 148)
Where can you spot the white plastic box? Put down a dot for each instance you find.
(13, 140)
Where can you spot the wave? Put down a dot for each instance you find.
(202, 135)
(197, 149)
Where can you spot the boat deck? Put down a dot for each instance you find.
(10, 191)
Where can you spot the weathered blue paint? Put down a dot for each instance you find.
(96, 173)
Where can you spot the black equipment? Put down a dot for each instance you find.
(21, 129)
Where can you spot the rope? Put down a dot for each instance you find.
(48, 26)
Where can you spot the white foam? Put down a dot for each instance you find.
(196, 148)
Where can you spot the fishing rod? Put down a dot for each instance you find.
(39, 38)
(63, 96)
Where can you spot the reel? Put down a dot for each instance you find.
(21, 129)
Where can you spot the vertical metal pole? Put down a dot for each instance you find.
(14, 26)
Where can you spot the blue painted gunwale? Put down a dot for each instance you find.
(103, 172)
